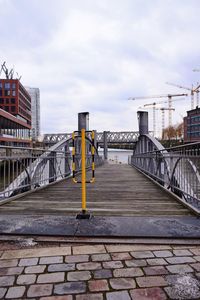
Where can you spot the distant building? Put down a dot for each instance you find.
(35, 111)
(192, 126)
(15, 113)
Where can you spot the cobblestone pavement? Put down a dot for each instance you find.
(103, 271)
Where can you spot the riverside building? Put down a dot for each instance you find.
(15, 113)
(192, 126)
(35, 111)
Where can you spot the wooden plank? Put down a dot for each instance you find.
(119, 190)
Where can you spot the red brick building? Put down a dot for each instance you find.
(15, 113)
(192, 126)
(15, 99)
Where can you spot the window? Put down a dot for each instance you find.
(1, 85)
(6, 93)
(7, 86)
(6, 108)
(13, 86)
(13, 93)
(7, 101)
(12, 108)
(12, 100)
(1, 100)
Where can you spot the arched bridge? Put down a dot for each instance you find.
(125, 138)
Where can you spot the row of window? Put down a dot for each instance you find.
(7, 101)
(10, 109)
(193, 119)
(7, 85)
(6, 93)
(193, 134)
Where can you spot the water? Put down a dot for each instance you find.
(117, 155)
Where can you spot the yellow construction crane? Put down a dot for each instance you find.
(169, 96)
(192, 91)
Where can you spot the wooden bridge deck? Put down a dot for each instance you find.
(119, 190)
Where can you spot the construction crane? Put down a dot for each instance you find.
(192, 91)
(169, 96)
(163, 109)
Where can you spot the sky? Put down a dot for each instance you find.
(92, 55)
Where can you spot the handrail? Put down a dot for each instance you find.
(177, 168)
(25, 169)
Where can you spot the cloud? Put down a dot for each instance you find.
(94, 55)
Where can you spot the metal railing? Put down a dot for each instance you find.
(176, 169)
(25, 169)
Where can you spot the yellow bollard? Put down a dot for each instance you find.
(83, 174)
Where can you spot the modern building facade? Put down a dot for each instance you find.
(15, 113)
(15, 99)
(13, 131)
(192, 126)
(35, 111)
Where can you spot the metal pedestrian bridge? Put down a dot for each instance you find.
(157, 193)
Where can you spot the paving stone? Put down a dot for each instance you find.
(122, 283)
(123, 295)
(121, 256)
(38, 290)
(136, 263)
(142, 248)
(196, 266)
(156, 270)
(11, 271)
(76, 258)
(6, 280)
(66, 297)
(2, 292)
(36, 252)
(88, 249)
(156, 261)
(151, 281)
(61, 267)
(90, 297)
(26, 279)
(128, 272)
(154, 293)
(112, 264)
(8, 263)
(180, 269)
(34, 269)
(195, 251)
(51, 278)
(98, 285)
(183, 287)
(78, 275)
(28, 261)
(15, 292)
(197, 258)
(163, 253)
(182, 252)
(104, 273)
(88, 266)
(70, 288)
(51, 260)
(180, 260)
(101, 257)
(142, 254)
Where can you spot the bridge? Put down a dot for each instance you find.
(156, 194)
(124, 139)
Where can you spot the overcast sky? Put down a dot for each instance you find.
(92, 55)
